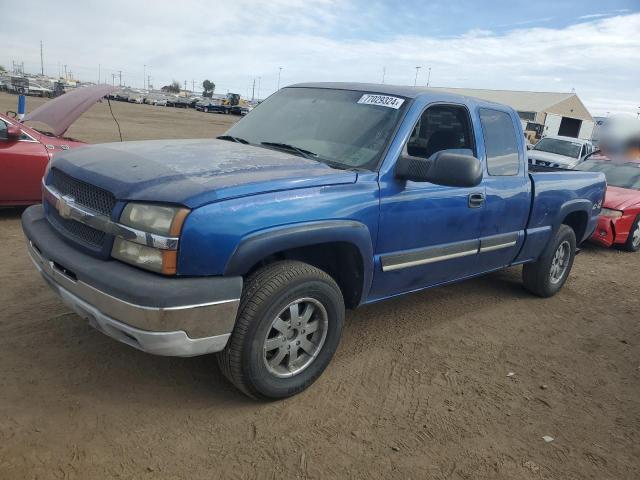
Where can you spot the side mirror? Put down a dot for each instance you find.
(13, 132)
(442, 168)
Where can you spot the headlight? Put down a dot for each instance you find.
(160, 220)
(607, 212)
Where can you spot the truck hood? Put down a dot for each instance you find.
(621, 198)
(552, 157)
(193, 172)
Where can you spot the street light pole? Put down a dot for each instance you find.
(144, 76)
(279, 72)
(429, 77)
(415, 81)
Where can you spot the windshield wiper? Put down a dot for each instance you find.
(233, 139)
(285, 146)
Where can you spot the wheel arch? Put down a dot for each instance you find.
(342, 248)
(575, 214)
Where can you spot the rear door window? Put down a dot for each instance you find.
(500, 143)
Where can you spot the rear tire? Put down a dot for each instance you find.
(548, 275)
(633, 241)
(274, 352)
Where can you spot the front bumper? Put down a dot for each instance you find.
(613, 231)
(605, 232)
(170, 316)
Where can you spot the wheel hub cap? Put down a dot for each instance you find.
(295, 338)
(636, 236)
(560, 262)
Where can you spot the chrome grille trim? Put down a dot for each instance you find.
(69, 209)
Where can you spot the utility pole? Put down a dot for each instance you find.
(144, 76)
(120, 77)
(279, 72)
(113, 79)
(149, 82)
(65, 72)
(193, 86)
(429, 77)
(41, 60)
(253, 90)
(384, 72)
(185, 87)
(415, 81)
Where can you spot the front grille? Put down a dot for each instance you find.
(87, 195)
(83, 193)
(79, 232)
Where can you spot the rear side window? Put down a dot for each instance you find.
(500, 142)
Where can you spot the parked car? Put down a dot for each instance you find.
(160, 102)
(240, 110)
(329, 195)
(25, 151)
(209, 105)
(559, 152)
(619, 222)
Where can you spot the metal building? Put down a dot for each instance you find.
(552, 113)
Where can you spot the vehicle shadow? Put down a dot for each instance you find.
(11, 213)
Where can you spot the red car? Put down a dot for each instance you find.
(25, 151)
(619, 222)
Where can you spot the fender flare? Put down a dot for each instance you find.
(263, 243)
(572, 206)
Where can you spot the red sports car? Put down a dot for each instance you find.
(25, 151)
(619, 222)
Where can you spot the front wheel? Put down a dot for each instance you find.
(548, 275)
(288, 328)
(633, 241)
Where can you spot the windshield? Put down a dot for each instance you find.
(559, 147)
(624, 175)
(333, 126)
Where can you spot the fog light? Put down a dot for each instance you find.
(154, 259)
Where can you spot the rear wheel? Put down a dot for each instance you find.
(288, 328)
(548, 275)
(633, 241)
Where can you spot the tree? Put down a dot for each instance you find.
(208, 87)
(173, 88)
(2, 69)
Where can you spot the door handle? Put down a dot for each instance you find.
(476, 200)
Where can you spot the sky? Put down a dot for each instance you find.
(592, 48)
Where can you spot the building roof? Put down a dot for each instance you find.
(522, 101)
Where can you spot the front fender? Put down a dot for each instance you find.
(259, 245)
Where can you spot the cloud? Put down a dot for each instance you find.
(594, 15)
(233, 42)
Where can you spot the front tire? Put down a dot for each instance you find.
(633, 241)
(288, 328)
(548, 275)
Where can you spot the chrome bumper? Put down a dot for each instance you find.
(156, 330)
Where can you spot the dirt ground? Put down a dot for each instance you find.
(419, 387)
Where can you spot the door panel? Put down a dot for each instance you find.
(508, 189)
(428, 234)
(22, 164)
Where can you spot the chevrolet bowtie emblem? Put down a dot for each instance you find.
(63, 205)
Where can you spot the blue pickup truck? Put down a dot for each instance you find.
(326, 196)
